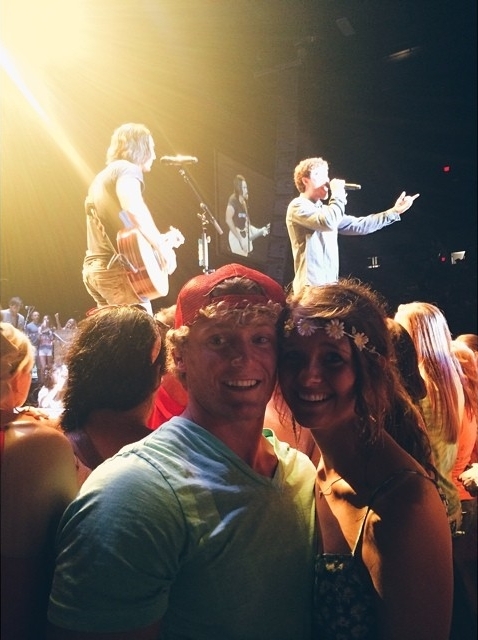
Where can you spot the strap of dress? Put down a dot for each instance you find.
(84, 448)
(385, 484)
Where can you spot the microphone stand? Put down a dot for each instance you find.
(28, 315)
(206, 217)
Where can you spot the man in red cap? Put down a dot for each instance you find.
(205, 528)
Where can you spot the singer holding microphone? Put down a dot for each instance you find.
(313, 226)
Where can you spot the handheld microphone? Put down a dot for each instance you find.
(177, 160)
(352, 187)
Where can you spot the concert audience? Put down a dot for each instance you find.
(471, 341)
(50, 394)
(468, 431)
(46, 338)
(114, 363)
(12, 315)
(63, 337)
(32, 327)
(406, 360)
(38, 480)
(114, 366)
(469, 478)
(384, 563)
(70, 324)
(203, 529)
(171, 399)
(449, 420)
(465, 546)
(444, 405)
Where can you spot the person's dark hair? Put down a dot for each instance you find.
(238, 180)
(406, 360)
(115, 361)
(15, 302)
(382, 402)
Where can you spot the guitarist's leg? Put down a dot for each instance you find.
(110, 286)
(100, 301)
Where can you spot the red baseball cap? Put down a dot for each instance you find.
(196, 293)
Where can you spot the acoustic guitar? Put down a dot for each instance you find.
(254, 233)
(148, 269)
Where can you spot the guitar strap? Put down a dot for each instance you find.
(116, 257)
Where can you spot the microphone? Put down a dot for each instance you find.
(352, 187)
(175, 160)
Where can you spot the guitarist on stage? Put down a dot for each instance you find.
(119, 188)
(241, 232)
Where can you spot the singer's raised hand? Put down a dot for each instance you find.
(404, 202)
(337, 187)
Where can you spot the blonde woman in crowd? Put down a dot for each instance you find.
(465, 546)
(444, 405)
(466, 453)
(38, 480)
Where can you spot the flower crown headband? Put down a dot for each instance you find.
(334, 328)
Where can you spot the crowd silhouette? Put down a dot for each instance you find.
(380, 399)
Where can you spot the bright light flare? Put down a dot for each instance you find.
(52, 127)
(9, 67)
(50, 31)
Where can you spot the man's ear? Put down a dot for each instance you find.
(179, 360)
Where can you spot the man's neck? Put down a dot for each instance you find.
(244, 438)
(310, 195)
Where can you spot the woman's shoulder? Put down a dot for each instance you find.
(38, 481)
(406, 503)
(29, 437)
(410, 482)
(407, 518)
(401, 487)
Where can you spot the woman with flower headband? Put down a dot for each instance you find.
(383, 565)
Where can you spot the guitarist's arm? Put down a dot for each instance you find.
(233, 228)
(129, 193)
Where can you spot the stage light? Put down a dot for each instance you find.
(457, 256)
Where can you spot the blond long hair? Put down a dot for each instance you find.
(441, 370)
(17, 355)
(130, 141)
(469, 363)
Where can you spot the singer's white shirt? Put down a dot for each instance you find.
(313, 229)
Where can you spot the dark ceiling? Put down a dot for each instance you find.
(202, 74)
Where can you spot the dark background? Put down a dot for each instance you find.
(196, 73)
